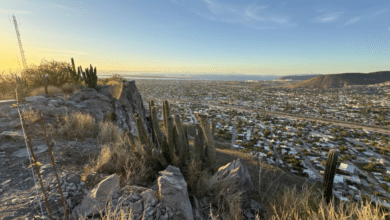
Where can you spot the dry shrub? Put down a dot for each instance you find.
(131, 168)
(113, 78)
(228, 198)
(309, 204)
(110, 133)
(30, 115)
(196, 180)
(52, 90)
(116, 89)
(77, 125)
(71, 88)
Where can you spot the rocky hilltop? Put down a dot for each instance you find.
(99, 194)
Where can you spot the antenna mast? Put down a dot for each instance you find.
(20, 43)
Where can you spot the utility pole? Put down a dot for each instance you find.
(20, 43)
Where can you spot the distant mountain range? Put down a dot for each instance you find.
(298, 77)
(343, 79)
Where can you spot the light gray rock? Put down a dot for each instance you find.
(99, 196)
(149, 198)
(73, 178)
(195, 209)
(137, 208)
(236, 173)
(173, 191)
(38, 98)
(24, 153)
(15, 135)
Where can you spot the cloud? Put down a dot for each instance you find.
(327, 18)
(9, 11)
(353, 20)
(260, 17)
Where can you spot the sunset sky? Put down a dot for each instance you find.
(200, 36)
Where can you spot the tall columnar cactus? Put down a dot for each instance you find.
(75, 76)
(170, 137)
(166, 113)
(210, 150)
(89, 76)
(199, 144)
(151, 105)
(147, 145)
(173, 146)
(330, 171)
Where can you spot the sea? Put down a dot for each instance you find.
(175, 76)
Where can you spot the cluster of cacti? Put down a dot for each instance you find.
(89, 76)
(172, 145)
(75, 77)
(330, 171)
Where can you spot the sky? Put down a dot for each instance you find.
(200, 36)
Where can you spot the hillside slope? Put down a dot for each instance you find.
(343, 80)
(298, 77)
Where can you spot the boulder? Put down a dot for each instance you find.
(128, 104)
(14, 135)
(173, 192)
(24, 153)
(234, 172)
(98, 197)
(37, 98)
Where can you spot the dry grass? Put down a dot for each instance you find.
(308, 204)
(30, 115)
(77, 125)
(227, 198)
(71, 88)
(196, 180)
(109, 133)
(52, 90)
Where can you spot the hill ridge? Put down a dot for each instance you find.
(344, 79)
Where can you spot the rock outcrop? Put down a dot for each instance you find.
(173, 191)
(99, 103)
(95, 202)
(235, 173)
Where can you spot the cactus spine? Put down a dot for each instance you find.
(330, 171)
(173, 146)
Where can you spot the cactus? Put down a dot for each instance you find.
(199, 145)
(170, 137)
(210, 151)
(173, 146)
(89, 76)
(151, 105)
(166, 113)
(75, 77)
(330, 171)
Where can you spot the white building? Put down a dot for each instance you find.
(348, 168)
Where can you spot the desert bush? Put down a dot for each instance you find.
(7, 85)
(56, 73)
(77, 125)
